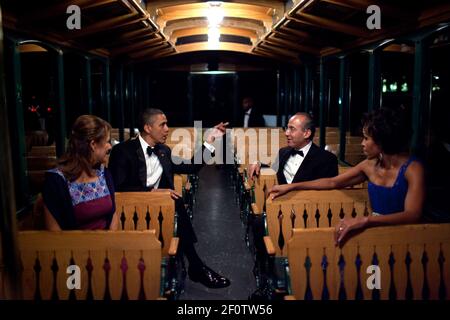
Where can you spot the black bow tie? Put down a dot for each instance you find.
(299, 152)
(150, 150)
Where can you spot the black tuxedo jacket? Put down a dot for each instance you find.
(129, 171)
(317, 164)
(255, 119)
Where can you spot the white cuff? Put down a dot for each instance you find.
(209, 146)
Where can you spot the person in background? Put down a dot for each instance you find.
(251, 116)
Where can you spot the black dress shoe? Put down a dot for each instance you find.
(208, 277)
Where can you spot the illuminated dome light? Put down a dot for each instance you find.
(213, 38)
(215, 13)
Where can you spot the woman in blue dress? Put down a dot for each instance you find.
(396, 182)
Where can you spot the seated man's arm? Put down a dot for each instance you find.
(119, 168)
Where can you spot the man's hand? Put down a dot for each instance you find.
(175, 195)
(278, 190)
(253, 170)
(218, 131)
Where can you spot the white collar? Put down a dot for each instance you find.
(248, 111)
(144, 144)
(305, 149)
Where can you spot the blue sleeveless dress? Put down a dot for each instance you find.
(387, 200)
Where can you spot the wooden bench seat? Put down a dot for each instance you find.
(257, 144)
(413, 262)
(113, 265)
(42, 151)
(148, 210)
(41, 163)
(311, 209)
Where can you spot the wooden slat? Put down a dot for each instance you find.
(293, 45)
(150, 51)
(96, 245)
(59, 9)
(279, 49)
(328, 24)
(386, 9)
(42, 151)
(296, 203)
(105, 25)
(196, 10)
(140, 45)
(226, 46)
(41, 163)
(154, 202)
(398, 240)
(186, 32)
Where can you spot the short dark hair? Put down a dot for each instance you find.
(389, 128)
(309, 123)
(146, 117)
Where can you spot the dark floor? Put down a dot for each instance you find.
(220, 234)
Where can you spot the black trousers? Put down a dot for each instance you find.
(185, 231)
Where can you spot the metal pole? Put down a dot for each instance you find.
(107, 91)
(9, 260)
(88, 86)
(374, 93)
(190, 100)
(61, 124)
(18, 137)
(278, 99)
(343, 104)
(323, 97)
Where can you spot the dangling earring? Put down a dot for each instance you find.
(380, 157)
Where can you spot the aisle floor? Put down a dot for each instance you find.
(220, 234)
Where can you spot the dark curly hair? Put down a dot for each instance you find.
(78, 157)
(389, 128)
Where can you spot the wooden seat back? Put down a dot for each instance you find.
(41, 163)
(266, 180)
(311, 210)
(145, 211)
(113, 264)
(42, 151)
(257, 144)
(412, 261)
(126, 134)
(36, 138)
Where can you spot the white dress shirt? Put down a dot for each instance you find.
(294, 162)
(154, 167)
(247, 117)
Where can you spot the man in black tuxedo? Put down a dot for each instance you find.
(251, 117)
(301, 160)
(146, 164)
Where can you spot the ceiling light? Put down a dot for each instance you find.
(213, 37)
(215, 13)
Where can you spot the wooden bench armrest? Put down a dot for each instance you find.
(173, 246)
(270, 248)
(255, 209)
(289, 297)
